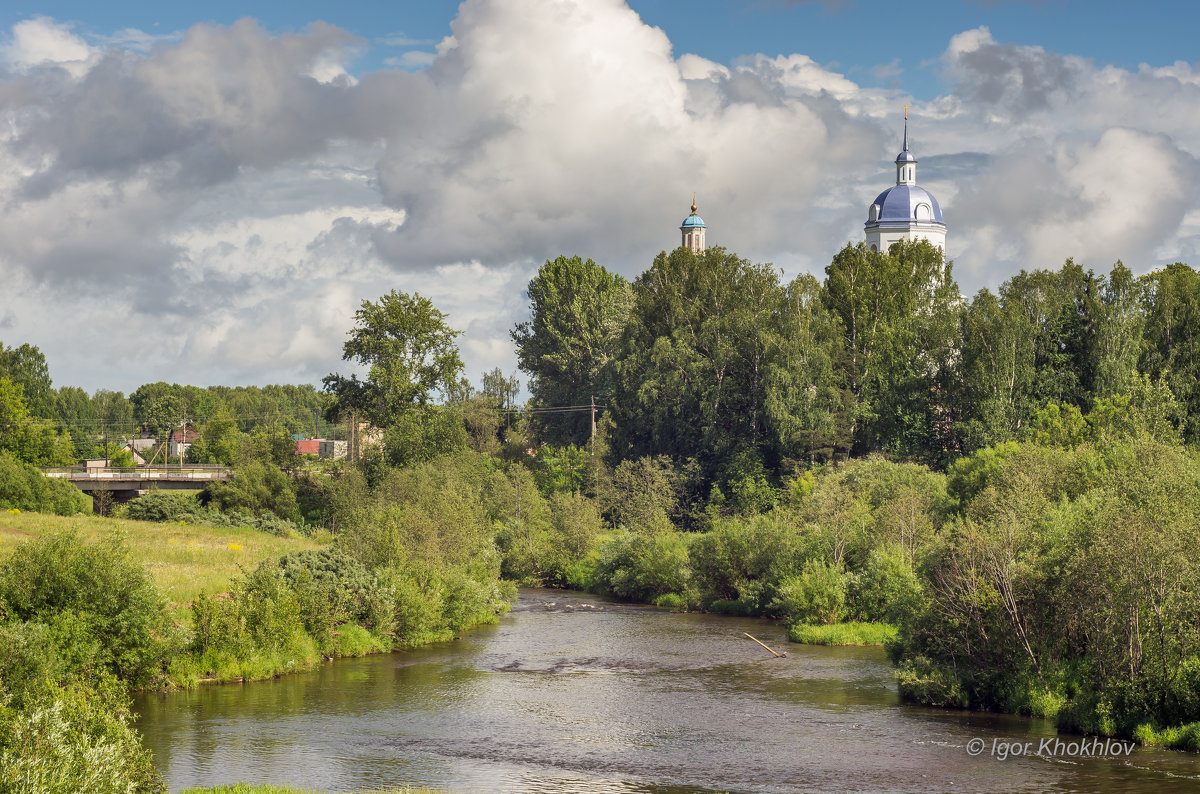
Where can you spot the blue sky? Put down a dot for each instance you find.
(233, 189)
(874, 42)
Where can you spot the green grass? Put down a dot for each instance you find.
(1180, 737)
(852, 633)
(184, 560)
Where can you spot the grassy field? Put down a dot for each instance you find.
(184, 559)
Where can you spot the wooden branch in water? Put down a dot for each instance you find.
(760, 642)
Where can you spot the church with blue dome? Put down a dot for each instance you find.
(693, 230)
(905, 211)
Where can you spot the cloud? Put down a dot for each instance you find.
(41, 40)
(219, 201)
(414, 59)
(400, 40)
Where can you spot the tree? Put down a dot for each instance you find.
(809, 411)
(1042, 340)
(158, 407)
(30, 440)
(567, 347)
(25, 365)
(410, 352)
(114, 413)
(899, 314)
(218, 441)
(1119, 325)
(696, 355)
(1171, 342)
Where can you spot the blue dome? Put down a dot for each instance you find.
(693, 220)
(899, 204)
(906, 157)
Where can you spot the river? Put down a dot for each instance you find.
(574, 693)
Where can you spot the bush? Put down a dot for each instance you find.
(258, 488)
(23, 487)
(161, 506)
(886, 589)
(102, 607)
(921, 681)
(743, 561)
(641, 567)
(816, 595)
(332, 589)
(75, 738)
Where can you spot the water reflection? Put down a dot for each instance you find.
(574, 693)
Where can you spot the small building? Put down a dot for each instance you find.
(332, 450)
(142, 444)
(178, 443)
(308, 446)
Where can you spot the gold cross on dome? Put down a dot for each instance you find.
(906, 112)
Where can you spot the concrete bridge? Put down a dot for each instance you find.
(125, 484)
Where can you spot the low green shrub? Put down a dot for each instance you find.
(816, 595)
(1179, 737)
(921, 681)
(74, 738)
(676, 602)
(23, 487)
(161, 506)
(641, 567)
(886, 588)
(101, 607)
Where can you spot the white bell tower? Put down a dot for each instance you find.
(906, 211)
(693, 230)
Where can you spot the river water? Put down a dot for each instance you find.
(574, 693)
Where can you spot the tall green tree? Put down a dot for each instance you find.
(1171, 341)
(25, 365)
(1120, 321)
(899, 314)
(809, 411)
(219, 441)
(696, 360)
(27, 438)
(567, 347)
(1042, 340)
(159, 407)
(410, 352)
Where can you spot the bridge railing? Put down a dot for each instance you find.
(192, 472)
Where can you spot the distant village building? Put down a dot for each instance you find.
(308, 446)
(142, 444)
(179, 442)
(905, 211)
(332, 450)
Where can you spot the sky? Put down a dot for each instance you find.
(205, 193)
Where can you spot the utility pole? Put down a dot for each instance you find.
(592, 441)
(182, 428)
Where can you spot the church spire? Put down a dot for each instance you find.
(906, 163)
